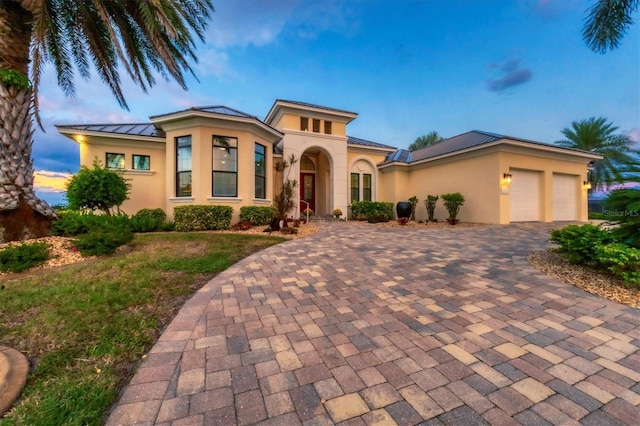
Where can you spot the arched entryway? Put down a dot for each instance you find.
(315, 182)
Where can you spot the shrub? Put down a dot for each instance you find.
(73, 223)
(258, 215)
(103, 241)
(148, 220)
(623, 206)
(98, 188)
(453, 202)
(202, 218)
(371, 208)
(622, 261)
(430, 204)
(18, 258)
(580, 242)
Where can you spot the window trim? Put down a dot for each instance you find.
(133, 161)
(264, 170)
(106, 159)
(180, 172)
(214, 171)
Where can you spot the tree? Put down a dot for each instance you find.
(285, 199)
(607, 23)
(142, 37)
(621, 161)
(424, 141)
(99, 188)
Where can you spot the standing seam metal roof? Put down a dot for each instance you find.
(363, 142)
(131, 129)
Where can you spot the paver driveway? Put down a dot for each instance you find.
(370, 325)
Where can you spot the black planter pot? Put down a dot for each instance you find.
(403, 209)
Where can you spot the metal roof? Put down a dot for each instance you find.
(456, 143)
(308, 105)
(400, 155)
(364, 142)
(131, 129)
(213, 109)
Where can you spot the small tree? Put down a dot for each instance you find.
(430, 204)
(414, 202)
(453, 202)
(98, 188)
(285, 199)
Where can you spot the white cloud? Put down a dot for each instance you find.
(48, 181)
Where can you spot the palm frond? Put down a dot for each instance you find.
(607, 23)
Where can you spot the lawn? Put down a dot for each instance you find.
(85, 327)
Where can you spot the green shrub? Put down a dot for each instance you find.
(452, 203)
(580, 242)
(72, 223)
(430, 204)
(148, 220)
(103, 241)
(623, 206)
(167, 227)
(202, 218)
(21, 257)
(258, 215)
(371, 208)
(622, 261)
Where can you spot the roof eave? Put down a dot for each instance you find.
(71, 132)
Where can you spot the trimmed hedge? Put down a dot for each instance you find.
(372, 208)
(258, 215)
(148, 220)
(202, 218)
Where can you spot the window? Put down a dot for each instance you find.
(327, 127)
(316, 125)
(366, 187)
(261, 172)
(141, 162)
(355, 187)
(306, 163)
(225, 167)
(304, 124)
(115, 161)
(183, 166)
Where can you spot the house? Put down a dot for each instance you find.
(219, 155)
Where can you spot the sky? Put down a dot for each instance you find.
(513, 67)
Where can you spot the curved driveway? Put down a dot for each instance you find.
(373, 325)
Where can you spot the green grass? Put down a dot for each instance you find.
(86, 326)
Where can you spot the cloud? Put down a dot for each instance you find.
(510, 73)
(48, 181)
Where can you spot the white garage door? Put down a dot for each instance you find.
(565, 197)
(524, 196)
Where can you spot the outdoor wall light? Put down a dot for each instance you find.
(506, 177)
(586, 184)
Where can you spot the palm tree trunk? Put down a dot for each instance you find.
(22, 214)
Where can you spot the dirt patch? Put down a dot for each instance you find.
(590, 279)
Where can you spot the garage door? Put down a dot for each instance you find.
(524, 196)
(565, 197)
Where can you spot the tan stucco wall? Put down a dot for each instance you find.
(291, 121)
(147, 187)
(202, 163)
(546, 165)
(475, 177)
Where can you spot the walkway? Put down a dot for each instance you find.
(373, 325)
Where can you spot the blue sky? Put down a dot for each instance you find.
(515, 67)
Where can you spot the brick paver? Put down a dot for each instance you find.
(364, 324)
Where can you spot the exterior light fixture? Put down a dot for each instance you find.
(507, 177)
(586, 184)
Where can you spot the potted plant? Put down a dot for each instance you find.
(452, 202)
(337, 213)
(403, 209)
(414, 202)
(430, 204)
(308, 212)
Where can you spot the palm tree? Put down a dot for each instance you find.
(143, 37)
(621, 161)
(607, 23)
(424, 141)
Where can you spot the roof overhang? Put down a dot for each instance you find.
(281, 107)
(77, 133)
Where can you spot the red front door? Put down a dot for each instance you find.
(308, 191)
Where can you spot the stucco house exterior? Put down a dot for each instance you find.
(219, 155)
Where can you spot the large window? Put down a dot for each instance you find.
(355, 187)
(225, 167)
(304, 124)
(366, 187)
(260, 171)
(115, 161)
(183, 166)
(141, 162)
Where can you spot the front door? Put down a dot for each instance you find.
(308, 191)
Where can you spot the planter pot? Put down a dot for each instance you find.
(453, 221)
(403, 209)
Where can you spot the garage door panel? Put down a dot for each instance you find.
(524, 196)
(565, 197)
